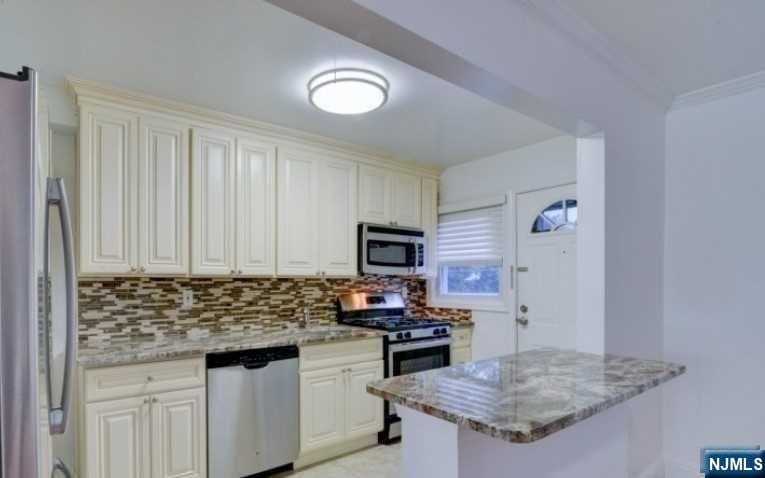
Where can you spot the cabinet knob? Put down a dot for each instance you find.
(149, 378)
(146, 400)
(233, 272)
(240, 271)
(154, 400)
(143, 269)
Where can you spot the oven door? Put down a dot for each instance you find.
(418, 356)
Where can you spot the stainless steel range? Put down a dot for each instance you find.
(413, 344)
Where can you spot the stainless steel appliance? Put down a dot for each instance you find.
(252, 411)
(37, 330)
(391, 250)
(413, 344)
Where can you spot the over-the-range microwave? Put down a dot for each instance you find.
(391, 250)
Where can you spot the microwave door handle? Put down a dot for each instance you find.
(58, 415)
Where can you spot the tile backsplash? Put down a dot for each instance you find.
(120, 308)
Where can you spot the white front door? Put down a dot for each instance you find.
(546, 238)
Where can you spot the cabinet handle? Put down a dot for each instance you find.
(233, 272)
(143, 269)
(240, 271)
(149, 378)
(146, 400)
(154, 400)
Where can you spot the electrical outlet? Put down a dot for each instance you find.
(188, 298)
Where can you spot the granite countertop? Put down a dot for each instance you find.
(123, 352)
(524, 397)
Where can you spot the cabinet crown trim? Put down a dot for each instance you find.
(91, 91)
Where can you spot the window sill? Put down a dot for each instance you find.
(447, 304)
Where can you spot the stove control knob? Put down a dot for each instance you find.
(443, 331)
(408, 335)
(399, 336)
(436, 331)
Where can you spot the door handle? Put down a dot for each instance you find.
(56, 196)
(522, 321)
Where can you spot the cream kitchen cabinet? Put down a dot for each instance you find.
(151, 426)
(133, 199)
(316, 214)
(461, 348)
(232, 204)
(430, 223)
(336, 412)
(389, 197)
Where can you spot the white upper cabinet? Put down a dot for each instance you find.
(213, 169)
(405, 200)
(374, 195)
(389, 197)
(338, 218)
(430, 222)
(256, 207)
(108, 152)
(317, 214)
(163, 197)
(298, 211)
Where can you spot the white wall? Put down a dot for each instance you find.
(549, 163)
(715, 277)
(511, 40)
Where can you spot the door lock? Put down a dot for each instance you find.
(524, 309)
(522, 321)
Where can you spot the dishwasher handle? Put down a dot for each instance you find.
(255, 365)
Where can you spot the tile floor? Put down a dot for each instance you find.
(376, 462)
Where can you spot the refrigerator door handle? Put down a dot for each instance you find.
(56, 196)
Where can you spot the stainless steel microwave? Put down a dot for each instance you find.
(391, 250)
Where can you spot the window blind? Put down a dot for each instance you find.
(474, 236)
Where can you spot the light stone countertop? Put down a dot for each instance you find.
(524, 397)
(130, 351)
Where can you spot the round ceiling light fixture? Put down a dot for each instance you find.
(348, 91)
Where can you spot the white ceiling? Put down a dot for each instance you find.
(686, 44)
(251, 58)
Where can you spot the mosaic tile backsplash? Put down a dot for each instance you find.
(122, 308)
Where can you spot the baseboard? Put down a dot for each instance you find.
(655, 470)
(334, 451)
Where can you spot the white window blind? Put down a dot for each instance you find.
(474, 236)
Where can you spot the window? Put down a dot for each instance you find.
(470, 256)
(559, 216)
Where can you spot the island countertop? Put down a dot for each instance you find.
(130, 351)
(524, 397)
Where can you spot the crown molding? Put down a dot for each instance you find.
(720, 90)
(557, 15)
(87, 90)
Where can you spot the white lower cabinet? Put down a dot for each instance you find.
(159, 433)
(336, 412)
(363, 411)
(117, 438)
(322, 408)
(461, 349)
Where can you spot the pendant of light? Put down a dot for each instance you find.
(348, 91)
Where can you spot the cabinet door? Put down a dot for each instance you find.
(213, 203)
(179, 434)
(460, 355)
(364, 412)
(430, 222)
(298, 213)
(256, 208)
(108, 149)
(163, 195)
(405, 200)
(117, 438)
(322, 408)
(338, 217)
(374, 195)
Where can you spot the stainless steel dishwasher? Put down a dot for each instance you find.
(252, 411)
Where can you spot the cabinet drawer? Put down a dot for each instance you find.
(461, 337)
(340, 353)
(132, 380)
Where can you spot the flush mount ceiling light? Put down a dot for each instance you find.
(348, 91)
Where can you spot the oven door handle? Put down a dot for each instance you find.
(420, 344)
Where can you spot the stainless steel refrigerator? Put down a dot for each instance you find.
(38, 326)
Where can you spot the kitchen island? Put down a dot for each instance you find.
(540, 413)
